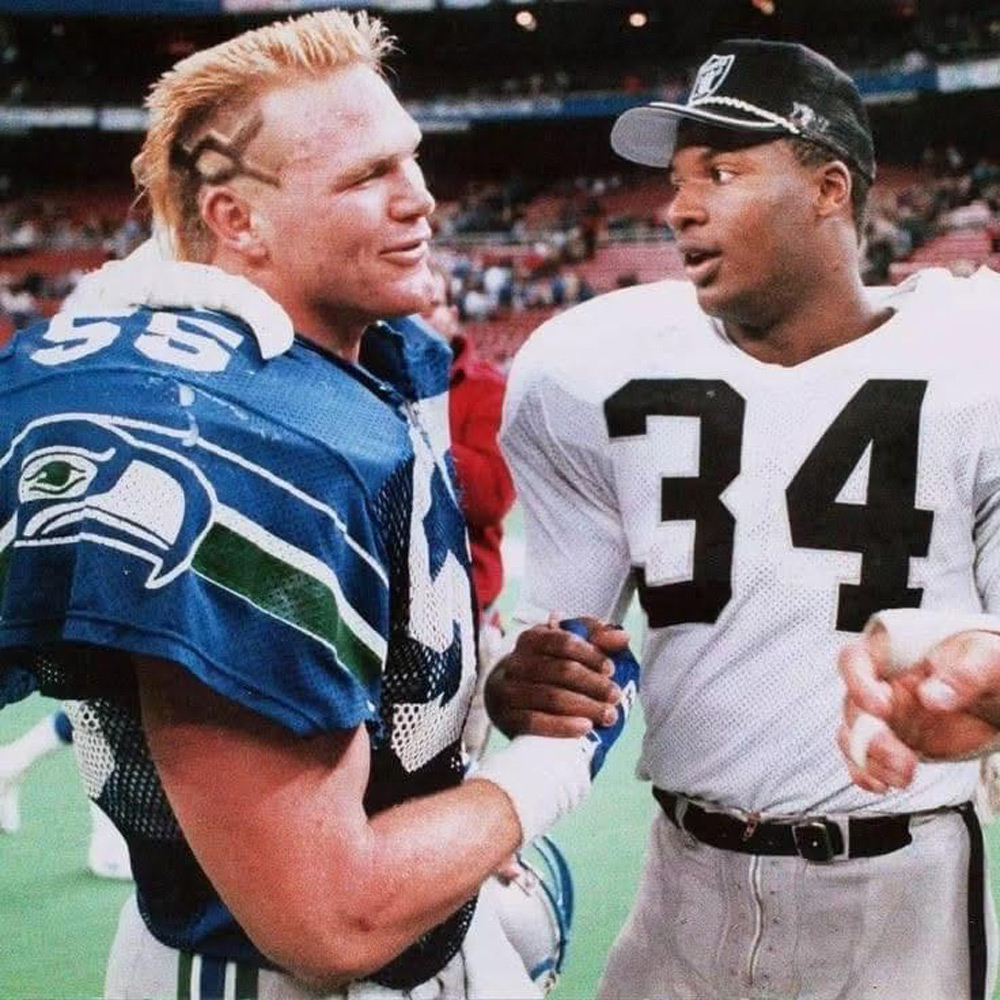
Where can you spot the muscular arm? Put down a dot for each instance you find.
(277, 823)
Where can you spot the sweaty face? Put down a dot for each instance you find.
(346, 228)
(741, 217)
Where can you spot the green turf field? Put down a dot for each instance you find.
(57, 920)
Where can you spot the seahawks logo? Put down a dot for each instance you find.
(110, 489)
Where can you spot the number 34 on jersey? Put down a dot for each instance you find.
(880, 423)
(753, 497)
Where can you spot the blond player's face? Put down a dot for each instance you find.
(347, 228)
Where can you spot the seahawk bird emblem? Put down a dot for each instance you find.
(83, 479)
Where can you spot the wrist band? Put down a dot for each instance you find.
(912, 632)
(864, 730)
(544, 778)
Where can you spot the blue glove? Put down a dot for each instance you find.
(626, 676)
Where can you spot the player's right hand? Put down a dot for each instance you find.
(945, 705)
(555, 683)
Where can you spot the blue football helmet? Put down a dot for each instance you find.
(536, 909)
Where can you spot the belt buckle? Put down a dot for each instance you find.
(814, 840)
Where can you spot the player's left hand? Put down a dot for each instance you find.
(944, 706)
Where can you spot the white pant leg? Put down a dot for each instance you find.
(485, 968)
(669, 947)
(711, 923)
(903, 919)
(493, 970)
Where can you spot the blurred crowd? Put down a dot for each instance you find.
(47, 244)
(41, 223)
(951, 195)
(510, 247)
(43, 61)
(487, 283)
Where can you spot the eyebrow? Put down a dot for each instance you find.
(706, 154)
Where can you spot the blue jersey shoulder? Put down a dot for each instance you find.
(410, 354)
(155, 471)
(189, 340)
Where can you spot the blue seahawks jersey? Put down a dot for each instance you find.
(287, 531)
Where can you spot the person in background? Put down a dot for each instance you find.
(107, 852)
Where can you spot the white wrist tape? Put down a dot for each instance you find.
(912, 633)
(544, 778)
(866, 727)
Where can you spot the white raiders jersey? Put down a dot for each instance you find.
(763, 513)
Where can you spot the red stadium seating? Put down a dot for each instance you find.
(966, 246)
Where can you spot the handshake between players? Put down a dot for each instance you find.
(920, 685)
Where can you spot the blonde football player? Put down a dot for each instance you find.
(244, 550)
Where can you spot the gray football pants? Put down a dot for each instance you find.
(709, 924)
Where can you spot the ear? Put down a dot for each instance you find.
(833, 192)
(231, 220)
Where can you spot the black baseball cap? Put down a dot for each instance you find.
(772, 89)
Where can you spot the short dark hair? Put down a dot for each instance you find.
(812, 154)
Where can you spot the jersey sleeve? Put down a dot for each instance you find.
(576, 552)
(986, 528)
(158, 520)
(983, 291)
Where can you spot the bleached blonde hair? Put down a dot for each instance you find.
(230, 78)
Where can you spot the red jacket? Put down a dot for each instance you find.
(476, 403)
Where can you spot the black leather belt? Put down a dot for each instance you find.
(815, 839)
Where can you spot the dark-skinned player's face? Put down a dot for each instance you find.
(742, 216)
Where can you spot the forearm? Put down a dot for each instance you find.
(432, 854)
(411, 868)
(326, 892)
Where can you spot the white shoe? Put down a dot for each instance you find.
(107, 856)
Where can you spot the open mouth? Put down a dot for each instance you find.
(693, 258)
(699, 264)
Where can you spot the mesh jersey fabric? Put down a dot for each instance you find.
(286, 531)
(761, 513)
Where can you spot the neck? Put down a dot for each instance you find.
(340, 336)
(338, 332)
(828, 317)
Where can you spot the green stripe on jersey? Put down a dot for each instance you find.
(246, 981)
(287, 593)
(184, 975)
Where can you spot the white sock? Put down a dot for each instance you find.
(107, 855)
